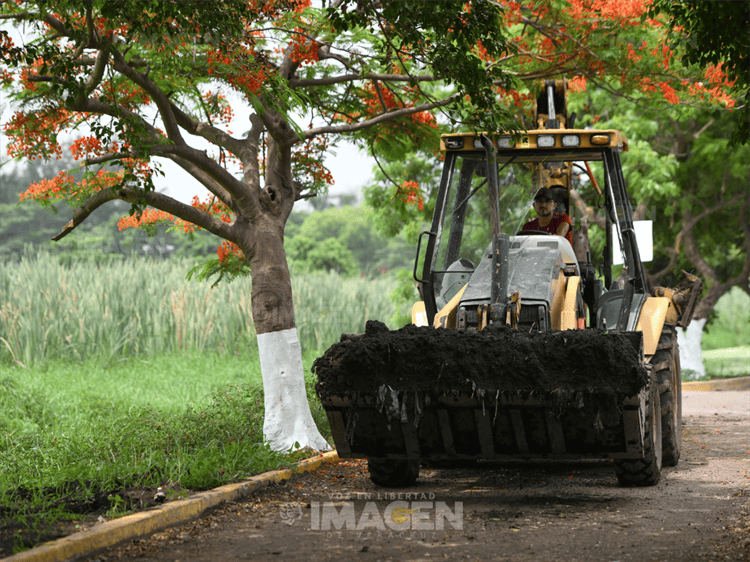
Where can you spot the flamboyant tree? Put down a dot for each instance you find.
(144, 81)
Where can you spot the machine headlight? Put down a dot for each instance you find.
(454, 143)
(571, 140)
(505, 142)
(545, 141)
(600, 139)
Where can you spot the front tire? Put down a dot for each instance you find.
(645, 471)
(391, 473)
(666, 362)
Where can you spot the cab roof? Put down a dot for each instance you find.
(539, 145)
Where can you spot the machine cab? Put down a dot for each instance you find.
(477, 260)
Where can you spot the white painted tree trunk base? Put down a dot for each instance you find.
(288, 419)
(691, 354)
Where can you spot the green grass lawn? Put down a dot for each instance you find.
(731, 362)
(72, 431)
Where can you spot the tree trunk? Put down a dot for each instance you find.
(691, 354)
(288, 422)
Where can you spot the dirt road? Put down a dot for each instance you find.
(511, 511)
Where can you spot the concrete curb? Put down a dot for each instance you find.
(739, 383)
(146, 522)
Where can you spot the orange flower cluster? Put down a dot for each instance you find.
(307, 163)
(622, 12)
(410, 93)
(217, 208)
(65, 186)
(304, 50)
(512, 10)
(82, 147)
(519, 100)
(227, 250)
(718, 81)
(48, 188)
(148, 216)
(6, 78)
(28, 72)
(669, 93)
(139, 168)
(577, 84)
(218, 106)
(154, 216)
(126, 95)
(299, 5)
(34, 134)
(238, 68)
(411, 194)
(273, 8)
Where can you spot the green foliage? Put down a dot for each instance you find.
(347, 241)
(713, 33)
(231, 268)
(329, 254)
(679, 165)
(443, 37)
(729, 326)
(142, 307)
(393, 212)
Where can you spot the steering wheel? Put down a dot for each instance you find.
(530, 232)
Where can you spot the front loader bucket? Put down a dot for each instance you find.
(432, 394)
(461, 426)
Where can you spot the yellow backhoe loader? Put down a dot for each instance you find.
(520, 346)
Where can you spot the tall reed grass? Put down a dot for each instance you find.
(49, 310)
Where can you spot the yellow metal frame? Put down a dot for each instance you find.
(564, 314)
(446, 318)
(528, 139)
(569, 314)
(419, 314)
(651, 321)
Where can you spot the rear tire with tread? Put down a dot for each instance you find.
(393, 473)
(645, 471)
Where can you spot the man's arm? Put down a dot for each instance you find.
(564, 227)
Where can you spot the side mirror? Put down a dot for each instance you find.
(644, 235)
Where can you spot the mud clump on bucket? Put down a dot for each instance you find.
(497, 359)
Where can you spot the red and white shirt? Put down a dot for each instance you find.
(552, 225)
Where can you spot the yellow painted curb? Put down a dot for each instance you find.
(146, 522)
(739, 383)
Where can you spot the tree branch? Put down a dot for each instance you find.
(591, 215)
(155, 93)
(153, 199)
(98, 72)
(104, 158)
(330, 80)
(82, 212)
(19, 16)
(216, 179)
(383, 117)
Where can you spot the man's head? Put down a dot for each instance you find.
(544, 202)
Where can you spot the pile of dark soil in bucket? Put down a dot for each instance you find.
(496, 359)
